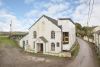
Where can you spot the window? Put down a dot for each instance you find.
(57, 44)
(52, 34)
(33, 45)
(27, 42)
(34, 34)
(65, 37)
(23, 44)
(52, 47)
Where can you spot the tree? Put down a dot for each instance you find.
(78, 29)
(84, 31)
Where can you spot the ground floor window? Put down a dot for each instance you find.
(27, 42)
(23, 44)
(52, 46)
(33, 45)
(58, 44)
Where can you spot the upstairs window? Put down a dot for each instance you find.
(52, 35)
(52, 46)
(65, 37)
(34, 34)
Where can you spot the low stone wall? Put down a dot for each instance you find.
(90, 40)
(62, 54)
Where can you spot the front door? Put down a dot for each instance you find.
(40, 47)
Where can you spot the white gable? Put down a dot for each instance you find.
(43, 24)
(43, 27)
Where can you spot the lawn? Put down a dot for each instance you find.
(7, 41)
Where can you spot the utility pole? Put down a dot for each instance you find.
(10, 29)
(91, 3)
(88, 31)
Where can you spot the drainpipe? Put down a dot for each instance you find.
(61, 39)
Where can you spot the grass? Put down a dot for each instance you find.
(7, 41)
(75, 50)
(98, 60)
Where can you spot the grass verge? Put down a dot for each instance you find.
(75, 50)
(7, 41)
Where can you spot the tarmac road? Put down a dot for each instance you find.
(85, 58)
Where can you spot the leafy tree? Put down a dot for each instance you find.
(83, 31)
(78, 29)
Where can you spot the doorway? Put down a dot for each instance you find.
(23, 44)
(40, 47)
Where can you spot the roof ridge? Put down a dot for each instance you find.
(51, 19)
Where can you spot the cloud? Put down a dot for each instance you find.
(57, 1)
(5, 20)
(31, 13)
(95, 19)
(57, 8)
(28, 1)
(51, 9)
(76, 10)
(81, 13)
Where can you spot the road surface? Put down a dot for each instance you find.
(85, 58)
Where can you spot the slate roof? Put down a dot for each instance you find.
(67, 19)
(52, 20)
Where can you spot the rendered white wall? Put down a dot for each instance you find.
(44, 28)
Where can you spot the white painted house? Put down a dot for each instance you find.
(97, 39)
(50, 36)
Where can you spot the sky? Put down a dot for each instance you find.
(24, 13)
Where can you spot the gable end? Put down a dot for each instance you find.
(55, 22)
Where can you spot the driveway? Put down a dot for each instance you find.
(15, 57)
(85, 58)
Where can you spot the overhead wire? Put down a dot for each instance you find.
(91, 4)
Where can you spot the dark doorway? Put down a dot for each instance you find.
(23, 44)
(41, 47)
